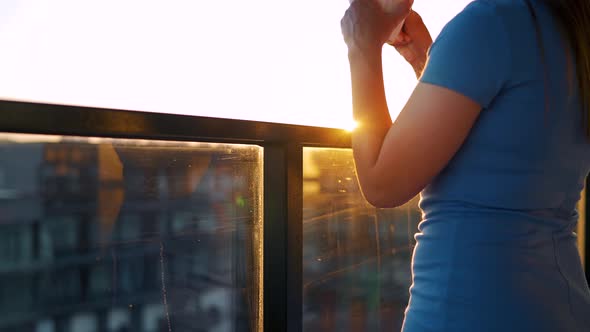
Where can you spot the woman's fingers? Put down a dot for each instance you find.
(402, 39)
(414, 18)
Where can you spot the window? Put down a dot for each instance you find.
(16, 246)
(60, 235)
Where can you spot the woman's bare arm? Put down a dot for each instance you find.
(396, 160)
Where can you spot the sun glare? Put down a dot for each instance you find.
(264, 60)
(351, 126)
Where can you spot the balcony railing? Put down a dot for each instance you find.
(128, 221)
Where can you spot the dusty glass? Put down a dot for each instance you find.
(129, 235)
(356, 259)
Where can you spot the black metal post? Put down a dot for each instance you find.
(283, 227)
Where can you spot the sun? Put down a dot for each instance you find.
(350, 126)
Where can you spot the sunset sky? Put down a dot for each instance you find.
(268, 60)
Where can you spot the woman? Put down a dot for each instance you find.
(495, 137)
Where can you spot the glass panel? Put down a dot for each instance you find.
(260, 53)
(129, 235)
(356, 259)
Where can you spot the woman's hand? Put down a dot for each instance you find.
(413, 42)
(366, 26)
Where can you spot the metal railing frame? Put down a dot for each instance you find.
(282, 177)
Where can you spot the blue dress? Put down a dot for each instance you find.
(496, 249)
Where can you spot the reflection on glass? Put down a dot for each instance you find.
(129, 235)
(356, 259)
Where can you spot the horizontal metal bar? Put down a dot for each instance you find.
(39, 118)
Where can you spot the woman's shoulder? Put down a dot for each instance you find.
(480, 12)
(479, 22)
(472, 54)
(486, 22)
(498, 4)
(476, 17)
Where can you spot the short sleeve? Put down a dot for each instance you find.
(471, 56)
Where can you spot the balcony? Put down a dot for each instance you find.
(127, 221)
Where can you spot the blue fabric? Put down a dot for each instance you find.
(496, 249)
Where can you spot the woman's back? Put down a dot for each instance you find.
(528, 150)
(497, 249)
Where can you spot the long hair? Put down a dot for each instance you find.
(574, 16)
